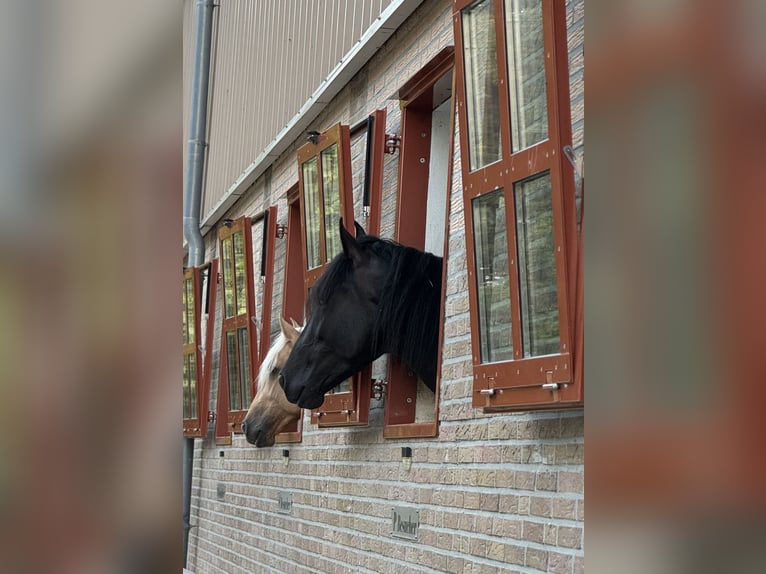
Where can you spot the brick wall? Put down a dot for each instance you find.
(495, 492)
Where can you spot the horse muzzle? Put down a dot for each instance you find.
(254, 433)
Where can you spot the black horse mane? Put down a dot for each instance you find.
(407, 324)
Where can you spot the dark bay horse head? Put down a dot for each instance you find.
(375, 297)
(270, 410)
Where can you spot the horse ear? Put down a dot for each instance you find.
(359, 230)
(290, 332)
(350, 246)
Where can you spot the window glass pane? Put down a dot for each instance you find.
(228, 277)
(192, 385)
(313, 213)
(239, 267)
(235, 403)
(190, 310)
(186, 397)
(537, 266)
(185, 325)
(492, 278)
(244, 366)
(344, 387)
(526, 72)
(482, 104)
(331, 192)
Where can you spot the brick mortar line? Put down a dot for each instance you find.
(577, 468)
(275, 541)
(250, 560)
(331, 543)
(393, 446)
(477, 489)
(575, 552)
(573, 522)
(436, 550)
(551, 441)
(260, 564)
(374, 519)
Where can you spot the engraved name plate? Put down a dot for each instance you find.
(404, 522)
(285, 503)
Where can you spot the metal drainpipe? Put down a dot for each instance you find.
(193, 198)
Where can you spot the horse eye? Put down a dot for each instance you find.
(275, 371)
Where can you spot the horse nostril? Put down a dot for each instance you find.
(281, 380)
(244, 427)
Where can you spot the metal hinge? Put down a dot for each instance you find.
(378, 388)
(393, 143)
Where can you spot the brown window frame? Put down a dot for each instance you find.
(229, 420)
(342, 408)
(197, 426)
(292, 292)
(416, 100)
(540, 382)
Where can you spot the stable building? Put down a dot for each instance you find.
(454, 127)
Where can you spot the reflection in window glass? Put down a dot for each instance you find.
(231, 362)
(492, 277)
(537, 266)
(482, 103)
(313, 214)
(192, 385)
(185, 324)
(239, 267)
(189, 306)
(526, 72)
(228, 278)
(186, 392)
(344, 387)
(331, 193)
(244, 367)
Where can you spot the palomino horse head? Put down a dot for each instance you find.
(270, 410)
(375, 297)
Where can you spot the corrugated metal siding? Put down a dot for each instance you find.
(269, 57)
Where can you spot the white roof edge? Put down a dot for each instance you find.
(359, 54)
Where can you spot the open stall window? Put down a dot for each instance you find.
(425, 168)
(325, 195)
(368, 145)
(519, 197)
(239, 354)
(198, 296)
(292, 292)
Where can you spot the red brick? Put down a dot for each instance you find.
(563, 508)
(570, 482)
(539, 506)
(525, 480)
(537, 559)
(551, 534)
(505, 478)
(559, 563)
(506, 527)
(514, 554)
(570, 537)
(545, 481)
(533, 531)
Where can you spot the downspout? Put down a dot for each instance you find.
(193, 198)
